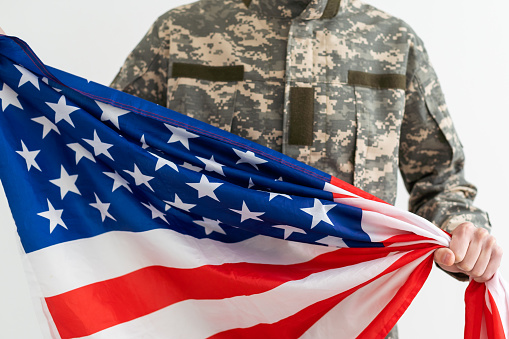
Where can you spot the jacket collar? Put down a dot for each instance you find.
(303, 9)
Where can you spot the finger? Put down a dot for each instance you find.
(475, 247)
(444, 256)
(492, 262)
(460, 240)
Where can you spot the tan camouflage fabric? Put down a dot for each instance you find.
(376, 103)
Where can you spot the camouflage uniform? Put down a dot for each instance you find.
(336, 84)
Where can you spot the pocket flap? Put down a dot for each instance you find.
(211, 73)
(379, 81)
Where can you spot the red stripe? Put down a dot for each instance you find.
(495, 327)
(390, 315)
(297, 324)
(357, 191)
(402, 238)
(98, 306)
(474, 296)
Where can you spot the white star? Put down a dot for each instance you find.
(191, 167)
(99, 146)
(280, 179)
(205, 188)
(111, 113)
(212, 166)
(54, 216)
(47, 125)
(29, 156)
(251, 183)
(289, 230)
(81, 152)
(140, 178)
(62, 110)
(161, 162)
(332, 241)
(319, 212)
(249, 158)
(143, 143)
(155, 212)
(118, 181)
(9, 97)
(273, 195)
(178, 204)
(210, 225)
(180, 135)
(246, 214)
(102, 207)
(66, 182)
(27, 76)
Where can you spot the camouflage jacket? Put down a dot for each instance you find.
(336, 84)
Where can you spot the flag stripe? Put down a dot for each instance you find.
(495, 327)
(362, 302)
(152, 288)
(98, 280)
(248, 310)
(374, 213)
(498, 289)
(474, 301)
(116, 253)
(416, 274)
(354, 190)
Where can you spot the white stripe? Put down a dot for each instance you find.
(67, 266)
(499, 290)
(350, 317)
(381, 227)
(214, 316)
(335, 189)
(389, 221)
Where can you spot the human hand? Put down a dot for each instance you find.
(472, 251)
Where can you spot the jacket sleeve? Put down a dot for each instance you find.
(431, 155)
(145, 71)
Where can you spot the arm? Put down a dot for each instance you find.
(431, 163)
(145, 70)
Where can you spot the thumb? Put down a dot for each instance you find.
(444, 256)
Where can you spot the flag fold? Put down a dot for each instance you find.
(138, 221)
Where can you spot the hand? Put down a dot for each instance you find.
(472, 251)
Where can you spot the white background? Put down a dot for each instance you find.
(467, 42)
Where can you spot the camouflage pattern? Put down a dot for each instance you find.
(362, 134)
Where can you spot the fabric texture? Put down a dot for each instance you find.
(141, 222)
(361, 134)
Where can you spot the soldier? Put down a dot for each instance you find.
(339, 85)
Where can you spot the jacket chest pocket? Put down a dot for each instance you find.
(380, 103)
(206, 93)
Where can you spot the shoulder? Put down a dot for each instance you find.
(201, 12)
(382, 23)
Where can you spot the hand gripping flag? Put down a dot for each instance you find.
(139, 222)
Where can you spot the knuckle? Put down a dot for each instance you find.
(481, 233)
(476, 273)
(465, 267)
(491, 243)
(464, 229)
(497, 250)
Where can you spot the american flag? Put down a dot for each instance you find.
(140, 222)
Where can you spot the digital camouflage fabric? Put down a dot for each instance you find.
(338, 85)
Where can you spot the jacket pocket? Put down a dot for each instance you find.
(380, 104)
(206, 93)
